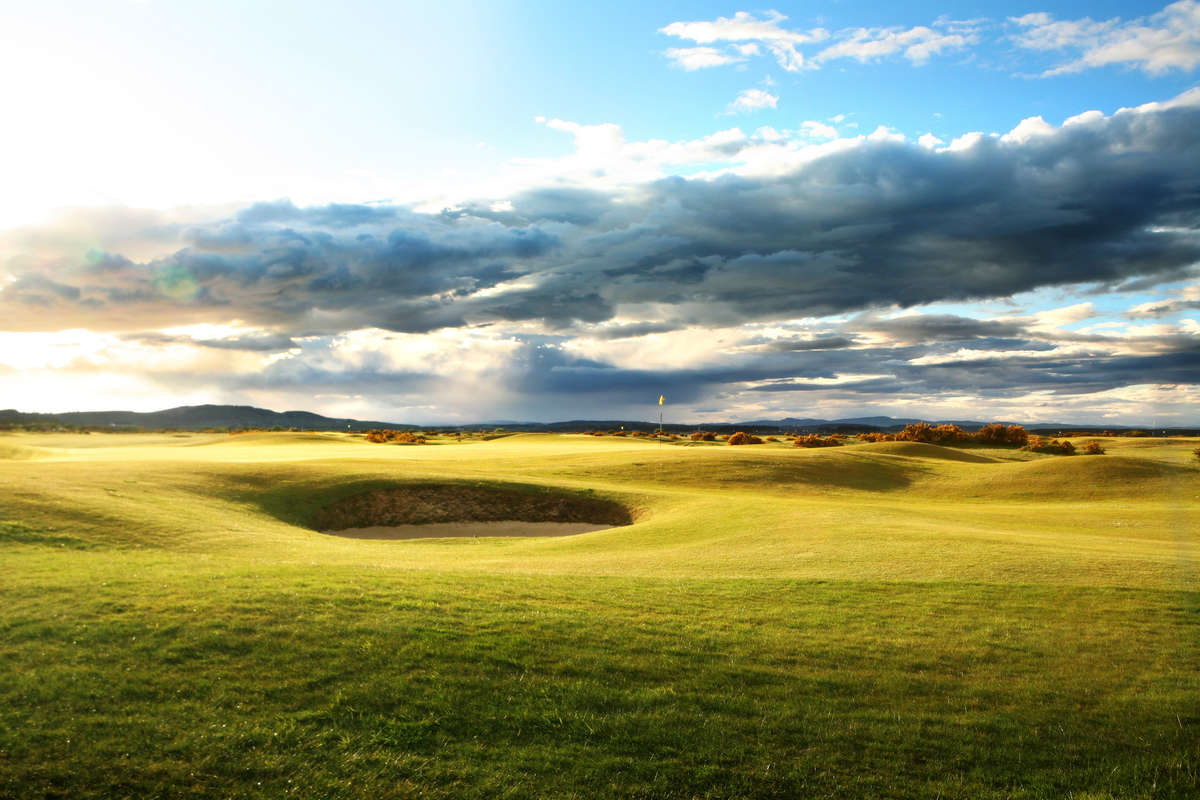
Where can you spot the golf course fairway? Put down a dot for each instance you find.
(889, 620)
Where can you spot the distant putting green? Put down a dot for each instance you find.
(877, 620)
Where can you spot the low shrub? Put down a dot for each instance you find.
(702, 436)
(742, 437)
(1000, 434)
(400, 437)
(814, 440)
(924, 432)
(1093, 448)
(1053, 447)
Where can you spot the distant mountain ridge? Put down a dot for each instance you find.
(199, 418)
(226, 416)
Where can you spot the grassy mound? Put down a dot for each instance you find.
(819, 470)
(1085, 478)
(280, 438)
(427, 503)
(922, 450)
(10, 452)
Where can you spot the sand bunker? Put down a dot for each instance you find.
(447, 530)
(429, 511)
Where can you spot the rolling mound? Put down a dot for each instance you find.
(441, 503)
(276, 438)
(718, 467)
(1083, 477)
(16, 452)
(923, 450)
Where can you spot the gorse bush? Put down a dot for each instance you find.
(814, 440)
(742, 437)
(399, 437)
(1053, 447)
(703, 436)
(995, 435)
(1002, 435)
(1093, 448)
(928, 434)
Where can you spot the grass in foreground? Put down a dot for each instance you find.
(867, 623)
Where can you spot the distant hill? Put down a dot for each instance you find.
(216, 416)
(198, 418)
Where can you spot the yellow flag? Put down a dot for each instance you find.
(661, 399)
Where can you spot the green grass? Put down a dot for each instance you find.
(883, 620)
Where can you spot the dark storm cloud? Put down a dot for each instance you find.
(877, 224)
(264, 343)
(634, 330)
(816, 343)
(1062, 375)
(916, 329)
(1164, 307)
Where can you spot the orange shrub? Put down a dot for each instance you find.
(702, 436)
(1000, 434)
(744, 438)
(1093, 448)
(813, 440)
(1054, 447)
(924, 432)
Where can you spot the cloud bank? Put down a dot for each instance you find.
(776, 274)
(1156, 44)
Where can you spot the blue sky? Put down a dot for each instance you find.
(455, 211)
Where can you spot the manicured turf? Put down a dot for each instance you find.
(887, 620)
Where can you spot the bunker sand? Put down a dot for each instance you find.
(448, 530)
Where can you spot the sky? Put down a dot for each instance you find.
(452, 212)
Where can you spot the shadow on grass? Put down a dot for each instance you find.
(325, 502)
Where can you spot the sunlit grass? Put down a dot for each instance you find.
(867, 621)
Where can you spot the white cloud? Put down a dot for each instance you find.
(1065, 315)
(929, 141)
(885, 134)
(744, 35)
(916, 44)
(818, 130)
(749, 100)
(1084, 118)
(746, 28)
(694, 58)
(1169, 39)
(1028, 129)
